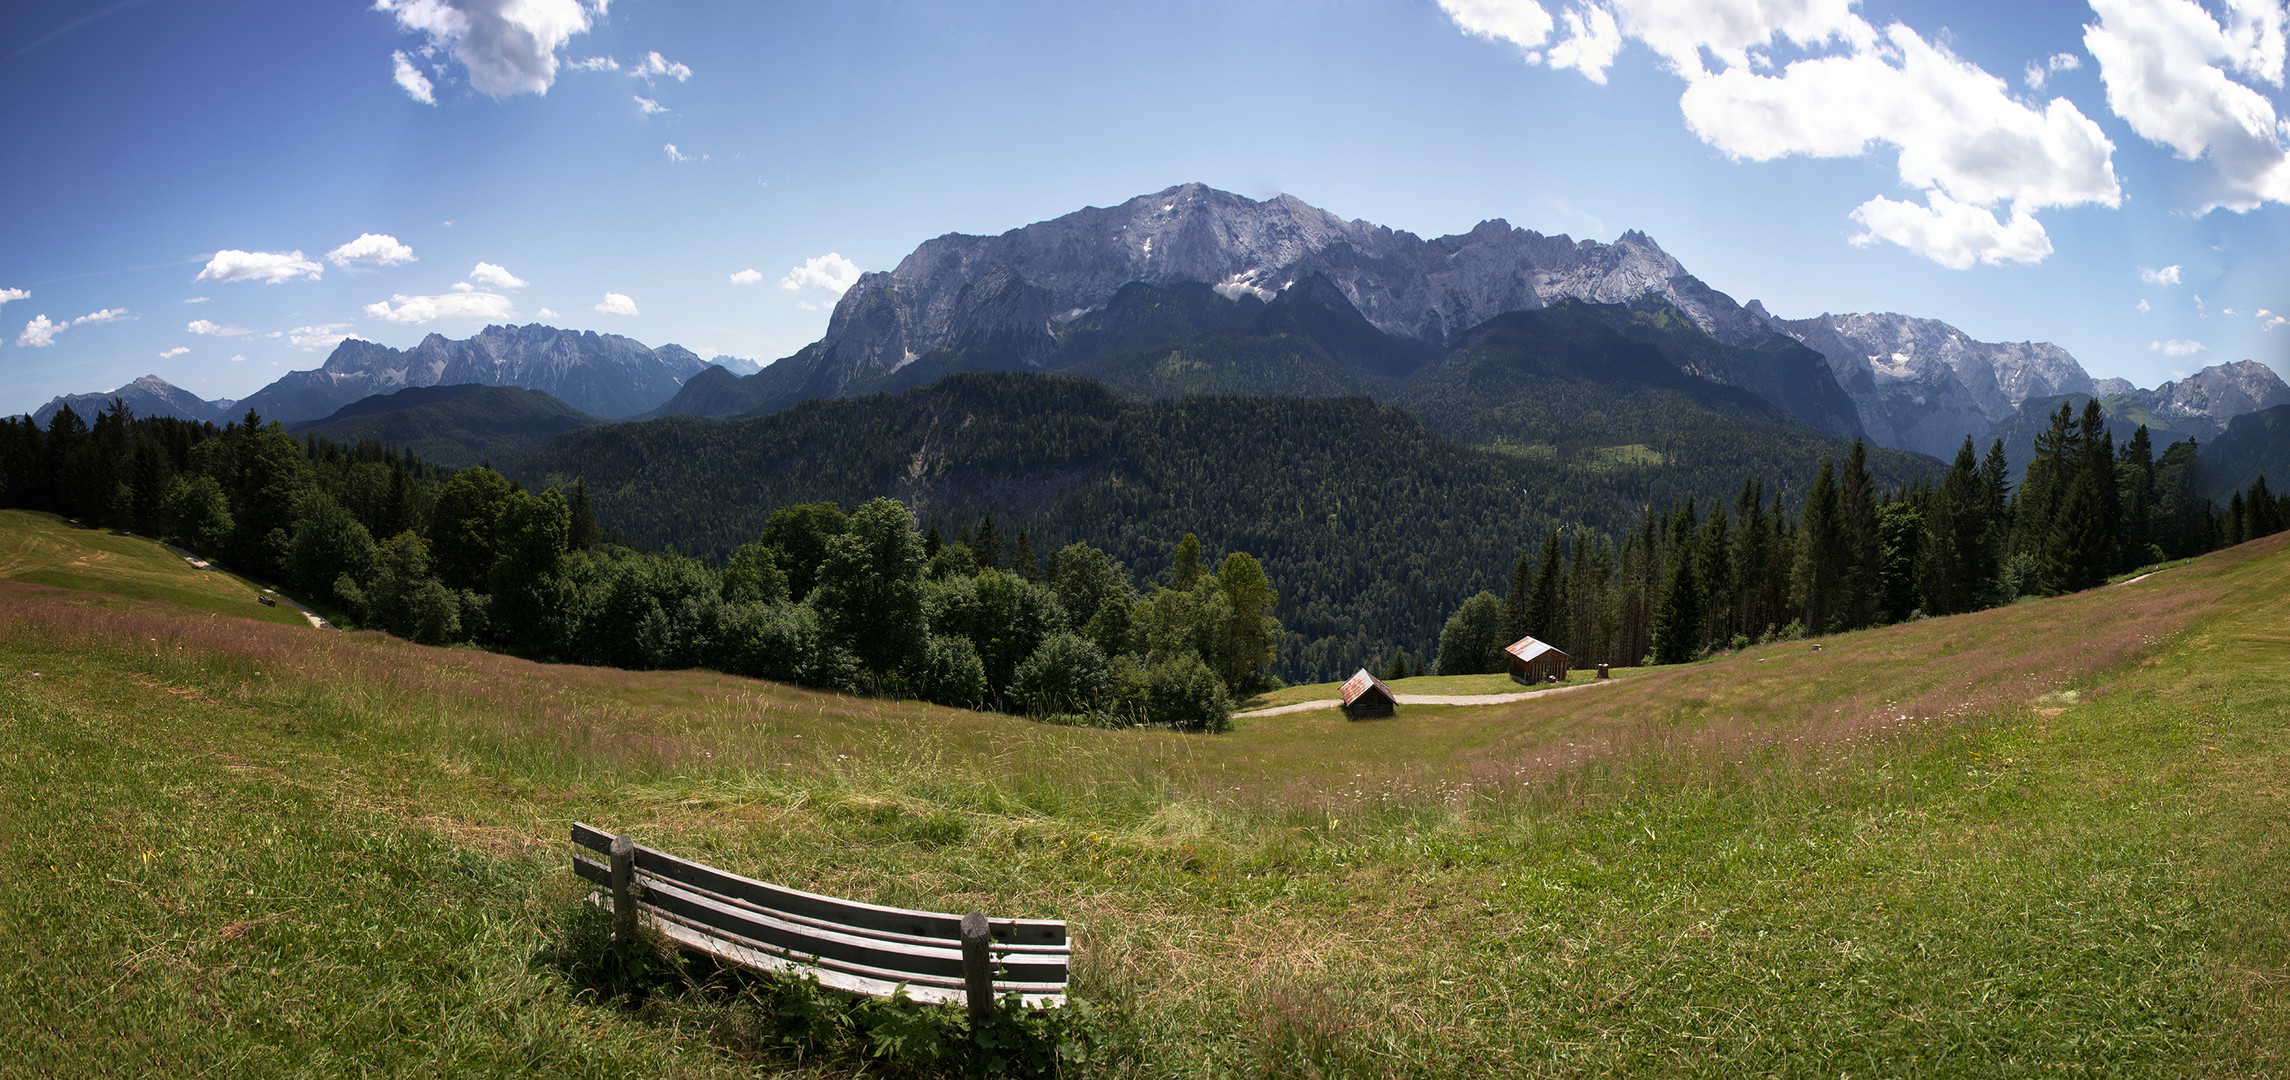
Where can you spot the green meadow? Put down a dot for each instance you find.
(2050, 839)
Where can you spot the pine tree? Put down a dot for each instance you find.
(1814, 578)
(1024, 563)
(1515, 599)
(1544, 615)
(1951, 567)
(2135, 485)
(1677, 626)
(986, 545)
(1862, 555)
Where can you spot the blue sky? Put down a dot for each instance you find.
(2109, 176)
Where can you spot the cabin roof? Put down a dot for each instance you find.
(1363, 684)
(1527, 648)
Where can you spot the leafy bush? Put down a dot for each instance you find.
(1066, 675)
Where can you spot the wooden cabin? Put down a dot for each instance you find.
(1366, 695)
(1536, 663)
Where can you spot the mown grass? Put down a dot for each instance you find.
(2044, 840)
(47, 550)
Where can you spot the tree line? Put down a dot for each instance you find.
(858, 600)
(1683, 584)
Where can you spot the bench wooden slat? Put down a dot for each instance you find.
(931, 925)
(854, 984)
(896, 959)
(857, 947)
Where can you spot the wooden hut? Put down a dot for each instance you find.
(1535, 662)
(1366, 695)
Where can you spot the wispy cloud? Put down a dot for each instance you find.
(174, 352)
(316, 338)
(410, 79)
(103, 316)
(654, 65)
(214, 329)
(650, 107)
(2168, 275)
(2176, 347)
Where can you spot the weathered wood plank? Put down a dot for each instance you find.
(929, 925)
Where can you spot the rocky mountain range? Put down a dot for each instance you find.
(601, 374)
(1017, 299)
(147, 396)
(1153, 294)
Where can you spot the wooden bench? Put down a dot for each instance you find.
(854, 947)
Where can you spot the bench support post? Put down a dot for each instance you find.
(977, 973)
(623, 889)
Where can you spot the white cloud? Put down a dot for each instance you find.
(675, 154)
(830, 273)
(508, 47)
(546, 313)
(748, 276)
(2166, 64)
(655, 65)
(231, 264)
(174, 352)
(1523, 23)
(410, 79)
(13, 294)
(1591, 42)
(40, 333)
(494, 275)
(649, 106)
(315, 338)
(1984, 162)
(617, 304)
(103, 316)
(238, 359)
(213, 329)
(2040, 70)
(463, 286)
(198, 300)
(1953, 234)
(594, 63)
(456, 305)
(2168, 275)
(2142, 307)
(2176, 347)
(2270, 324)
(377, 248)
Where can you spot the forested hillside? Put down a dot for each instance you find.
(1371, 526)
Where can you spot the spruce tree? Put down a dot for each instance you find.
(1515, 599)
(1678, 625)
(1814, 576)
(2135, 486)
(1862, 561)
(1543, 612)
(1951, 567)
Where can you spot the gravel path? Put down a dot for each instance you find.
(1426, 699)
(316, 619)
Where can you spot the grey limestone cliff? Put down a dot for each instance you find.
(602, 374)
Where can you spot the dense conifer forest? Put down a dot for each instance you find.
(1275, 538)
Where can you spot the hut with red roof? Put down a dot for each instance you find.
(1535, 662)
(1366, 695)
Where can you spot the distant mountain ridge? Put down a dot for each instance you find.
(600, 374)
(454, 425)
(1018, 300)
(147, 396)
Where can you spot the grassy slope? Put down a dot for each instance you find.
(43, 549)
(242, 849)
